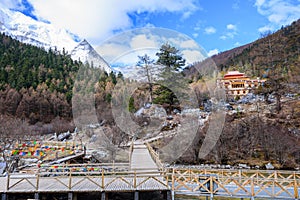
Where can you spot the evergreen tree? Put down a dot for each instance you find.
(170, 57)
(120, 76)
(113, 77)
(131, 107)
(172, 83)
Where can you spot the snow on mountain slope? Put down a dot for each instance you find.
(41, 34)
(37, 33)
(86, 53)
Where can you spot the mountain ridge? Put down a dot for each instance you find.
(29, 31)
(86, 53)
(273, 50)
(45, 35)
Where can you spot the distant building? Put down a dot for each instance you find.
(238, 84)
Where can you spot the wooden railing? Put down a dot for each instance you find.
(155, 156)
(227, 183)
(120, 177)
(85, 181)
(236, 183)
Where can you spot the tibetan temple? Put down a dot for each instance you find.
(238, 84)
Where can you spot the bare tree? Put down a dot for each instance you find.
(147, 64)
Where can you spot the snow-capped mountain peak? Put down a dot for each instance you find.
(38, 33)
(86, 53)
(45, 35)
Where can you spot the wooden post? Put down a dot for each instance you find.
(134, 180)
(129, 157)
(102, 175)
(102, 178)
(7, 183)
(70, 180)
(211, 188)
(296, 192)
(167, 178)
(173, 184)
(37, 182)
(252, 189)
(173, 179)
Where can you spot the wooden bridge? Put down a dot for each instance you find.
(145, 173)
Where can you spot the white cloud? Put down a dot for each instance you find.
(124, 49)
(109, 51)
(237, 44)
(278, 12)
(195, 35)
(131, 57)
(98, 19)
(192, 56)
(213, 52)
(188, 44)
(145, 40)
(210, 30)
(198, 25)
(259, 3)
(149, 25)
(265, 29)
(197, 28)
(230, 33)
(223, 37)
(231, 27)
(186, 15)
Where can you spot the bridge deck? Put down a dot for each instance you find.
(141, 158)
(143, 175)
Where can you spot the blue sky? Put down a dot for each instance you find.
(216, 25)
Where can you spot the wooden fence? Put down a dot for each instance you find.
(226, 183)
(236, 183)
(90, 181)
(155, 156)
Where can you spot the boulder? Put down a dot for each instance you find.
(269, 166)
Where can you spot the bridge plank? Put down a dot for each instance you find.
(141, 158)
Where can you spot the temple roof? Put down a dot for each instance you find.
(234, 75)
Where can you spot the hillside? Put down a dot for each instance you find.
(264, 130)
(275, 52)
(36, 89)
(29, 70)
